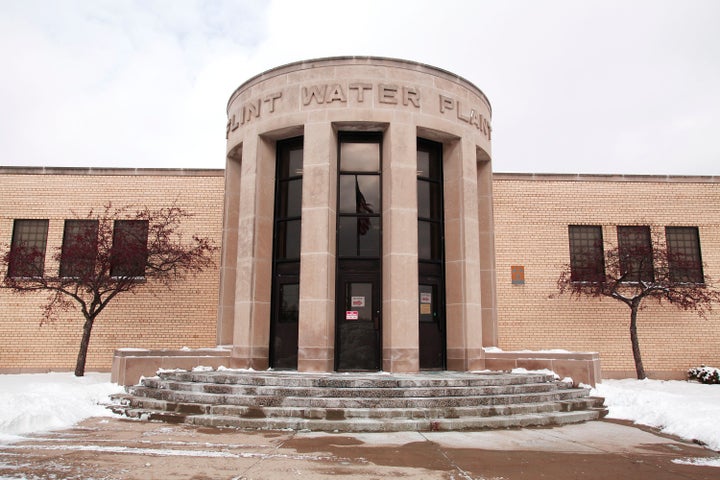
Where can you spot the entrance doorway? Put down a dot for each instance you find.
(432, 325)
(286, 255)
(431, 256)
(358, 319)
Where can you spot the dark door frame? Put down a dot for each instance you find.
(369, 331)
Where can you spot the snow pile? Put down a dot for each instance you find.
(41, 402)
(688, 410)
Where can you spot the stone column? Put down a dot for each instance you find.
(316, 333)
(228, 264)
(487, 252)
(400, 250)
(251, 334)
(462, 251)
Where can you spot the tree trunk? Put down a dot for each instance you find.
(639, 369)
(84, 344)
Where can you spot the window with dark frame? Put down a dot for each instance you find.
(587, 262)
(635, 252)
(79, 248)
(285, 294)
(432, 344)
(27, 250)
(684, 259)
(430, 203)
(359, 197)
(129, 249)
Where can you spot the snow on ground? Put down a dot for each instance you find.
(41, 402)
(686, 409)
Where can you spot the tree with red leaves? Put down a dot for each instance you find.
(639, 271)
(106, 254)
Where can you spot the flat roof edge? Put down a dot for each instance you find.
(602, 177)
(311, 63)
(165, 172)
(219, 172)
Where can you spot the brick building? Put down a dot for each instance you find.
(532, 215)
(152, 318)
(377, 148)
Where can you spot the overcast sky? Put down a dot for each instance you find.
(611, 86)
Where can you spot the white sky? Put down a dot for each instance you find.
(610, 86)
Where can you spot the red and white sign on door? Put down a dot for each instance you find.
(351, 315)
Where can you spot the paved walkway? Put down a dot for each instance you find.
(115, 448)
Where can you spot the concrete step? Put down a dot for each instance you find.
(345, 392)
(343, 413)
(396, 425)
(354, 380)
(358, 401)
(381, 413)
(340, 402)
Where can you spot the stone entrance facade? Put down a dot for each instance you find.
(333, 265)
(356, 221)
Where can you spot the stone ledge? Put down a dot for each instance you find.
(582, 367)
(129, 365)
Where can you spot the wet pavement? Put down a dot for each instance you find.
(117, 448)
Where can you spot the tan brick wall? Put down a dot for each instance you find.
(151, 318)
(532, 214)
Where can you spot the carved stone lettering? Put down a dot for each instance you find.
(250, 110)
(446, 103)
(465, 114)
(360, 92)
(360, 87)
(232, 125)
(316, 92)
(336, 94)
(461, 115)
(270, 99)
(388, 93)
(411, 95)
(476, 119)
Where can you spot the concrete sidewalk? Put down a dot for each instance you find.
(116, 448)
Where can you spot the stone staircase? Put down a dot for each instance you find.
(358, 402)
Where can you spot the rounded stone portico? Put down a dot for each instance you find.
(358, 226)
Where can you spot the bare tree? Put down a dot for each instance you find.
(105, 254)
(639, 271)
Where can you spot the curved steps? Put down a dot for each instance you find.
(358, 402)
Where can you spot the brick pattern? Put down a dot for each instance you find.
(532, 214)
(152, 318)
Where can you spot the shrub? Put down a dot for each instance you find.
(705, 374)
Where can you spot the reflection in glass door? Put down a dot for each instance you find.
(358, 332)
(286, 255)
(431, 255)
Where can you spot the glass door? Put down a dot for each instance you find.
(358, 329)
(285, 323)
(431, 325)
(431, 256)
(286, 255)
(359, 322)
